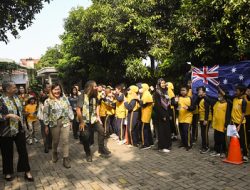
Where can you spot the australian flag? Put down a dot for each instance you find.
(227, 76)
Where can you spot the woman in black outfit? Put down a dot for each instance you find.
(11, 131)
(73, 100)
(162, 105)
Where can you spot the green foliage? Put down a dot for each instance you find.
(136, 70)
(50, 58)
(107, 41)
(210, 31)
(17, 15)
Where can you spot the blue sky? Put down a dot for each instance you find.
(43, 33)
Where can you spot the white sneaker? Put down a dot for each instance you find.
(115, 137)
(120, 143)
(164, 150)
(214, 154)
(30, 141)
(245, 159)
(35, 140)
(222, 155)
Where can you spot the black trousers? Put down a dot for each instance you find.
(164, 134)
(133, 127)
(146, 134)
(112, 125)
(85, 136)
(219, 141)
(243, 138)
(7, 151)
(119, 122)
(75, 127)
(204, 134)
(173, 125)
(185, 130)
(47, 139)
(248, 128)
(195, 127)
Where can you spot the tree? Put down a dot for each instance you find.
(17, 15)
(211, 32)
(50, 58)
(108, 41)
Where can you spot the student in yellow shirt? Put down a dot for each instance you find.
(238, 117)
(247, 98)
(102, 108)
(221, 118)
(108, 102)
(146, 103)
(32, 120)
(120, 112)
(195, 120)
(132, 105)
(205, 114)
(172, 113)
(185, 107)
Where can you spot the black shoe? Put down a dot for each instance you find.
(136, 145)
(188, 148)
(46, 150)
(30, 179)
(104, 150)
(89, 158)
(104, 153)
(9, 178)
(143, 147)
(204, 150)
(181, 146)
(66, 162)
(75, 137)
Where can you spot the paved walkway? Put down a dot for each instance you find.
(130, 168)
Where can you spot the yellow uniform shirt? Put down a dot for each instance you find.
(120, 111)
(202, 111)
(219, 116)
(31, 109)
(102, 111)
(237, 111)
(248, 106)
(185, 116)
(146, 112)
(171, 93)
(109, 110)
(190, 94)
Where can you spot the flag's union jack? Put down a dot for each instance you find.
(207, 75)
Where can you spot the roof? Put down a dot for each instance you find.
(9, 64)
(46, 70)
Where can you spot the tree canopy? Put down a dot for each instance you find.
(17, 15)
(109, 40)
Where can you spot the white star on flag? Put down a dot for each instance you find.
(225, 81)
(241, 77)
(233, 70)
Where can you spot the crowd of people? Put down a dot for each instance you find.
(140, 116)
